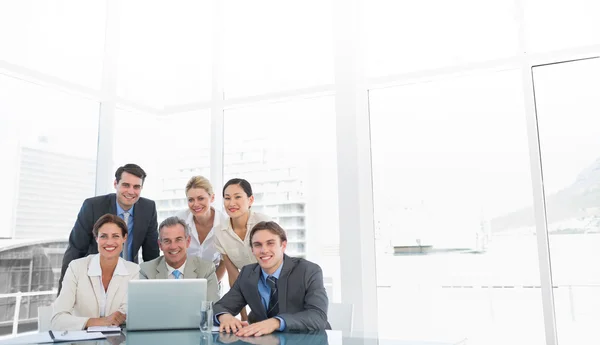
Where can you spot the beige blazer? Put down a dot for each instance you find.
(194, 268)
(82, 294)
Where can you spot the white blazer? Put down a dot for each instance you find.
(82, 295)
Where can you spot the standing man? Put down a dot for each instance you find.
(174, 237)
(284, 293)
(138, 213)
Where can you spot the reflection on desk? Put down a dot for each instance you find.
(195, 337)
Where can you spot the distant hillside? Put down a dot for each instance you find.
(580, 199)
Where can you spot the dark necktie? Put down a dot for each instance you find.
(273, 308)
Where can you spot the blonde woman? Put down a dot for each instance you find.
(204, 221)
(94, 289)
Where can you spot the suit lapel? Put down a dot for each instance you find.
(115, 284)
(112, 205)
(161, 269)
(255, 300)
(282, 282)
(190, 269)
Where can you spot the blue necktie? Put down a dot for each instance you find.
(177, 274)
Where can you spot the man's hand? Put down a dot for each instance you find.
(116, 319)
(230, 324)
(257, 329)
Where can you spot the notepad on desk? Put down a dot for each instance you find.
(104, 329)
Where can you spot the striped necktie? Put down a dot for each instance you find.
(273, 308)
(126, 244)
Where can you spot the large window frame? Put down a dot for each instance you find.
(351, 89)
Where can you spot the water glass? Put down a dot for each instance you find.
(206, 316)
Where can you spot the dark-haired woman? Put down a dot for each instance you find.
(232, 241)
(94, 290)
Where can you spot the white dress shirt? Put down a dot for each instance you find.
(171, 269)
(206, 250)
(94, 270)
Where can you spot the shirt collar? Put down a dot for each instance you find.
(120, 210)
(275, 274)
(171, 269)
(94, 268)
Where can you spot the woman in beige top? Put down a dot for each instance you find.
(232, 240)
(94, 289)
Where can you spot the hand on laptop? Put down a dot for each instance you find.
(229, 324)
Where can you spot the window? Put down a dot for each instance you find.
(49, 142)
(298, 136)
(456, 245)
(171, 149)
(569, 130)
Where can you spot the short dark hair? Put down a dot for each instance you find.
(107, 219)
(271, 227)
(133, 169)
(240, 182)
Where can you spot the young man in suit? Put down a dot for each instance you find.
(138, 213)
(174, 237)
(284, 293)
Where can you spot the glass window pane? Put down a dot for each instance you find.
(569, 127)
(63, 38)
(559, 24)
(171, 149)
(272, 46)
(49, 143)
(287, 151)
(408, 36)
(166, 64)
(456, 248)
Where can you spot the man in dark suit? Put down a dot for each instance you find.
(138, 213)
(284, 293)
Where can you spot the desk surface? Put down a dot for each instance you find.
(195, 337)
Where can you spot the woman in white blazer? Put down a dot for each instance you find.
(94, 289)
(204, 220)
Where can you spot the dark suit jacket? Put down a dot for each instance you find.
(302, 297)
(83, 243)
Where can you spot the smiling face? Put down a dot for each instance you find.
(110, 240)
(174, 244)
(268, 249)
(128, 190)
(236, 201)
(199, 202)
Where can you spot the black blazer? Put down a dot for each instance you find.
(302, 297)
(83, 243)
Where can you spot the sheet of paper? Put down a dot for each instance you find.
(44, 337)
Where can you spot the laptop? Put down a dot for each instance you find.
(164, 304)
